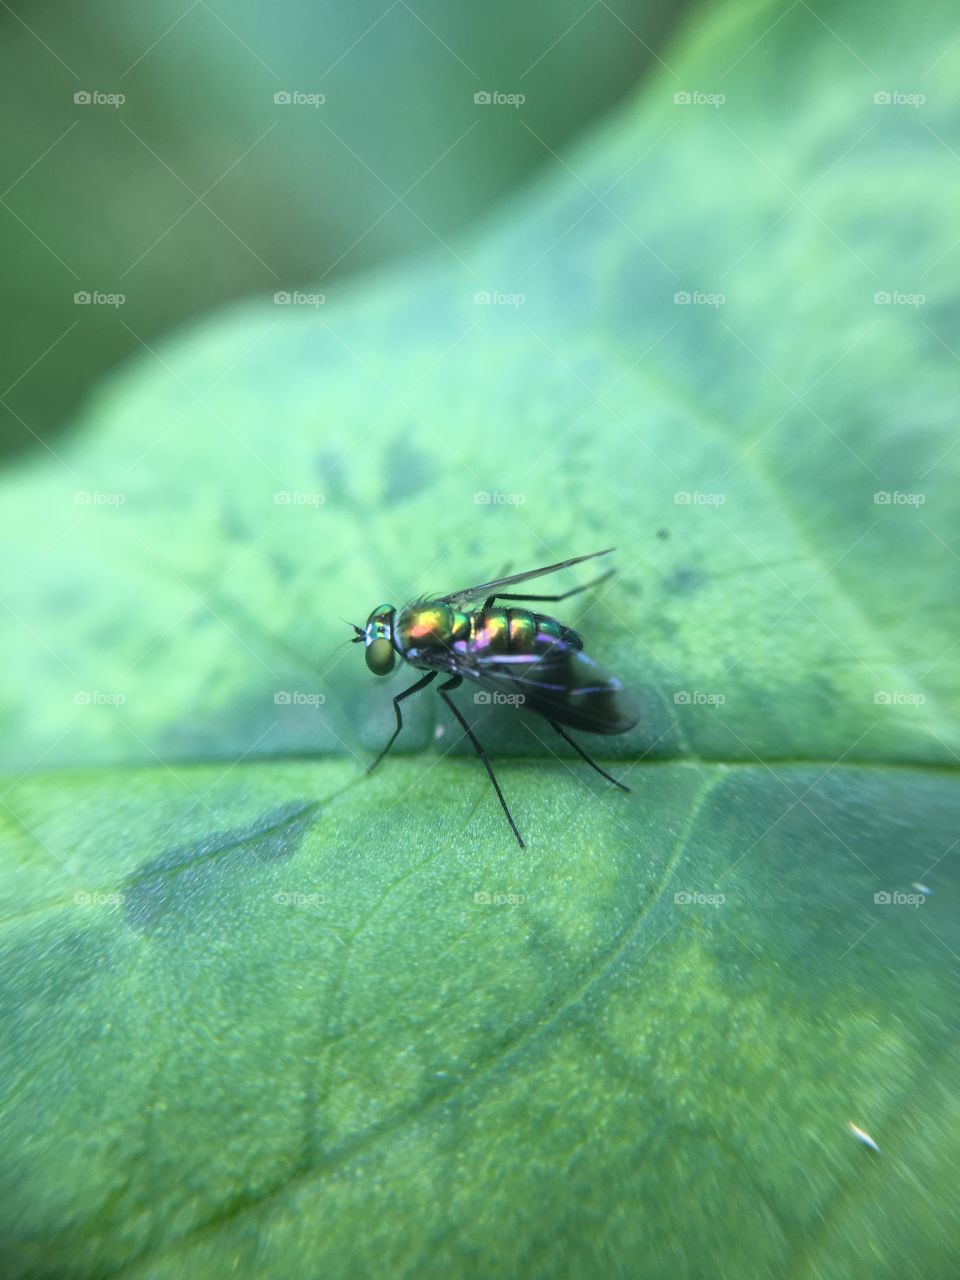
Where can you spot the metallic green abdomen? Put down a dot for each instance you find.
(431, 625)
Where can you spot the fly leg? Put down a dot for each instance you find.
(500, 595)
(580, 752)
(414, 688)
(453, 683)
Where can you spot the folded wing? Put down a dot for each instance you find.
(561, 683)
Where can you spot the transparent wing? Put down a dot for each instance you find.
(563, 684)
(484, 588)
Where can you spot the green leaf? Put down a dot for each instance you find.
(269, 1016)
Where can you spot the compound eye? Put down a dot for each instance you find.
(380, 657)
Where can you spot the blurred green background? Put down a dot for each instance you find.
(199, 189)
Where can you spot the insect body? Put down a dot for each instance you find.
(504, 649)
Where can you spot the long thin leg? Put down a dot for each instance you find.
(566, 595)
(580, 752)
(453, 683)
(414, 688)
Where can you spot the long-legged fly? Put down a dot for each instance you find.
(504, 649)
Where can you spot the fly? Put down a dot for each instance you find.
(505, 649)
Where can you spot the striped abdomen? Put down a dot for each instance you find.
(430, 629)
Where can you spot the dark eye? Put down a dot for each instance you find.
(381, 657)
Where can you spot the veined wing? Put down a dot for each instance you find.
(485, 588)
(563, 684)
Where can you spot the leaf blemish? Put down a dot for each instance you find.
(686, 581)
(406, 471)
(329, 468)
(185, 871)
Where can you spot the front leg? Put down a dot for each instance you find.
(414, 688)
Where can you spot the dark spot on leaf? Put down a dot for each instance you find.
(104, 639)
(284, 566)
(684, 582)
(406, 471)
(66, 599)
(234, 526)
(185, 871)
(331, 473)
